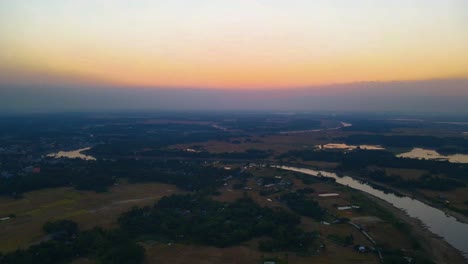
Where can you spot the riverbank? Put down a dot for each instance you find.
(439, 250)
(415, 195)
(417, 214)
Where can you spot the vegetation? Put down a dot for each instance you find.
(249, 154)
(113, 246)
(139, 148)
(61, 228)
(303, 205)
(98, 175)
(199, 220)
(445, 145)
(426, 181)
(271, 124)
(342, 240)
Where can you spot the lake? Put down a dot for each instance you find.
(73, 154)
(420, 153)
(439, 223)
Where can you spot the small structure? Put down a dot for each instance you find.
(362, 249)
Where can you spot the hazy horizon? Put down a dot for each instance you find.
(410, 96)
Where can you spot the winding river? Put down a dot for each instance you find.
(436, 221)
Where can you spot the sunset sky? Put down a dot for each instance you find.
(242, 44)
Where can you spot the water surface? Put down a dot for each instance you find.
(74, 154)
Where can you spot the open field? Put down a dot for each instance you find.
(245, 254)
(88, 209)
(278, 143)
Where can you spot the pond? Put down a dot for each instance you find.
(73, 154)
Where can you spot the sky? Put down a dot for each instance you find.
(113, 47)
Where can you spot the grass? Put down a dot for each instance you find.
(406, 174)
(87, 208)
(246, 254)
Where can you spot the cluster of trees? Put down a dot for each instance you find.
(199, 220)
(304, 205)
(426, 181)
(98, 175)
(66, 243)
(249, 154)
(190, 176)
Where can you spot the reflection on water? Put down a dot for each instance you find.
(74, 154)
(420, 153)
(439, 223)
(349, 147)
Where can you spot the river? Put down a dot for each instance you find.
(436, 221)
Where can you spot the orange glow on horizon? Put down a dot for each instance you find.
(231, 45)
